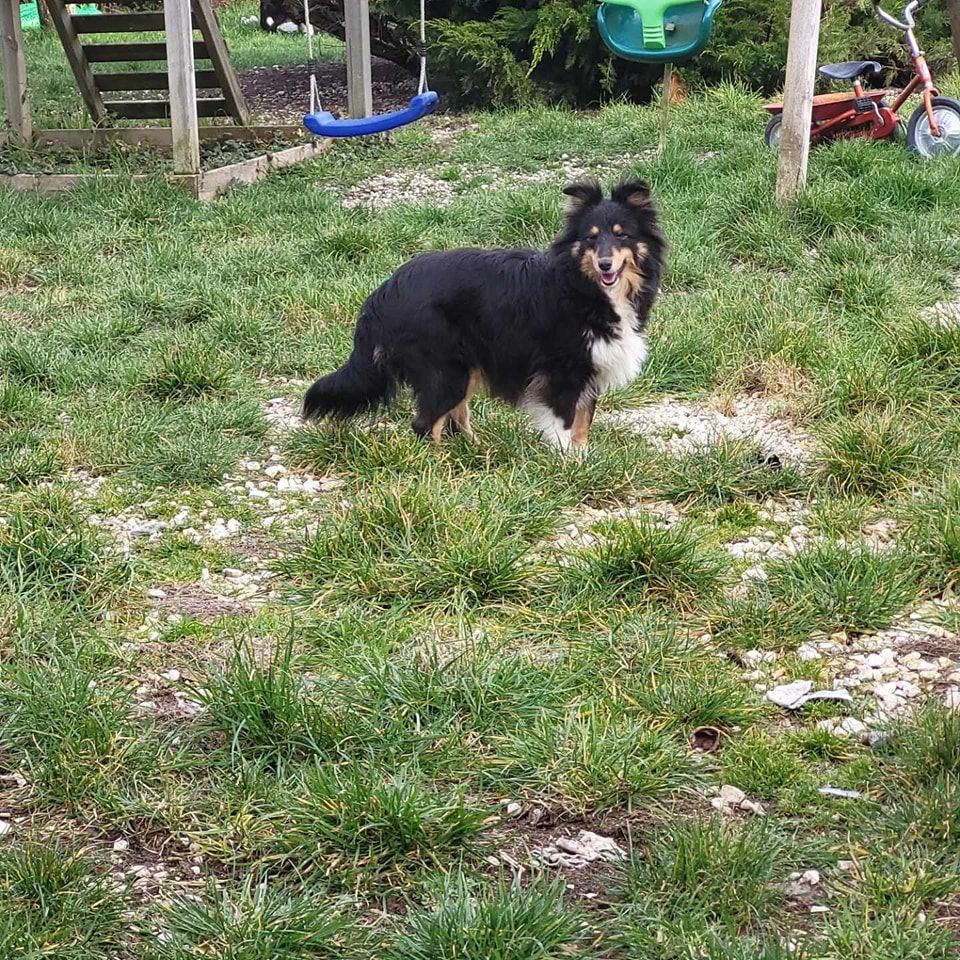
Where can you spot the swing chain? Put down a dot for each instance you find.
(313, 63)
(422, 47)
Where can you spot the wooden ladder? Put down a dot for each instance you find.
(212, 47)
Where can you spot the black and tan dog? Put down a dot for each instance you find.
(547, 332)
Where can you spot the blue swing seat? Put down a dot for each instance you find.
(325, 124)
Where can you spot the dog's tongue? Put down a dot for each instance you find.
(609, 279)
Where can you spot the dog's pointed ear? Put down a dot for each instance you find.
(582, 195)
(633, 193)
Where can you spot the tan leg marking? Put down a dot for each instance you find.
(436, 431)
(582, 420)
(460, 415)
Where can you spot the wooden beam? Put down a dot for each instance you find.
(52, 183)
(119, 23)
(953, 8)
(183, 87)
(15, 98)
(201, 186)
(206, 21)
(82, 139)
(798, 98)
(213, 183)
(162, 110)
(356, 21)
(129, 52)
(79, 63)
(150, 80)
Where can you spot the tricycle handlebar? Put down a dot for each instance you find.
(908, 22)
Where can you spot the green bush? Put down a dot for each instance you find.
(528, 50)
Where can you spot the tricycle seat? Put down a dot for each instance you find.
(850, 69)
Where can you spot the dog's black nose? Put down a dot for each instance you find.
(605, 265)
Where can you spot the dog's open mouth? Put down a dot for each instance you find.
(609, 277)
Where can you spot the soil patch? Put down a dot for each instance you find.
(282, 94)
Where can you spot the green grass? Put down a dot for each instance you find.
(432, 674)
(54, 904)
(263, 921)
(502, 920)
(641, 561)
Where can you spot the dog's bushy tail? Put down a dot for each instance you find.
(361, 384)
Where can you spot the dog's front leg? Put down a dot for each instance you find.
(582, 421)
(555, 413)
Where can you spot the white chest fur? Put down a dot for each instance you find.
(618, 360)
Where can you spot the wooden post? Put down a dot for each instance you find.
(356, 23)
(666, 93)
(14, 71)
(178, 22)
(798, 98)
(953, 8)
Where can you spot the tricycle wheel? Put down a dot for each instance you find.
(921, 140)
(771, 136)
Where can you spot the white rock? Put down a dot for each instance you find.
(172, 675)
(121, 845)
(851, 727)
(157, 594)
(5, 827)
(288, 26)
(732, 799)
(808, 652)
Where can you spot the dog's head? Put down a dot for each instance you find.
(608, 237)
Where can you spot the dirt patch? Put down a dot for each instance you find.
(193, 600)
(282, 94)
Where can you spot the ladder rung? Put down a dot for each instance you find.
(130, 52)
(119, 23)
(150, 80)
(160, 109)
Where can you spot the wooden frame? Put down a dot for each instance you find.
(203, 185)
(182, 137)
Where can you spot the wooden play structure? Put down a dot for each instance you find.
(107, 94)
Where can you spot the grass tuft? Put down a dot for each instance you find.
(256, 921)
(69, 728)
(874, 452)
(47, 549)
(350, 822)
(428, 543)
(832, 586)
(643, 561)
(501, 920)
(716, 872)
(53, 903)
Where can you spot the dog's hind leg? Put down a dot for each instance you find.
(459, 421)
(440, 395)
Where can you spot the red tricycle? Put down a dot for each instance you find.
(933, 129)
